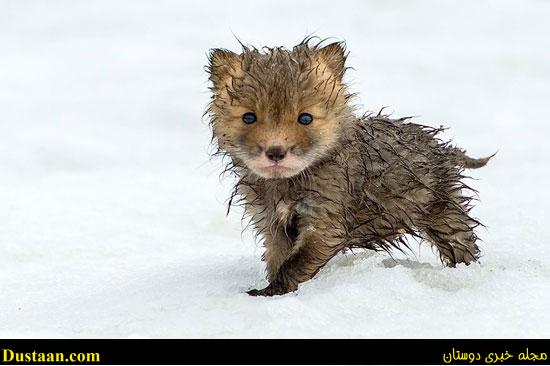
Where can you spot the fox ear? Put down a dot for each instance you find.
(222, 65)
(334, 57)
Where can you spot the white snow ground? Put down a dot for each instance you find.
(112, 219)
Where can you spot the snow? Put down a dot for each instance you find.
(113, 215)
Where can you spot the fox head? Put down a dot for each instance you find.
(278, 111)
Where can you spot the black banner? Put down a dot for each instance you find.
(275, 352)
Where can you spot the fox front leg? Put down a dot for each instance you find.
(313, 251)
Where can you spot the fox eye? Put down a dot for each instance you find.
(305, 118)
(249, 118)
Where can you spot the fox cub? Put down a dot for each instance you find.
(316, 179)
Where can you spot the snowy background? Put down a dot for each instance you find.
(112, 216)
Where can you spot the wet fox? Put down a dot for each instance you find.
(316, 179)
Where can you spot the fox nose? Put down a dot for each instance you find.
(275, 153)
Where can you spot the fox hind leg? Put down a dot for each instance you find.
(454, 247)
(450, 228)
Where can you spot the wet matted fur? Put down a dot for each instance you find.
(341, 181)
